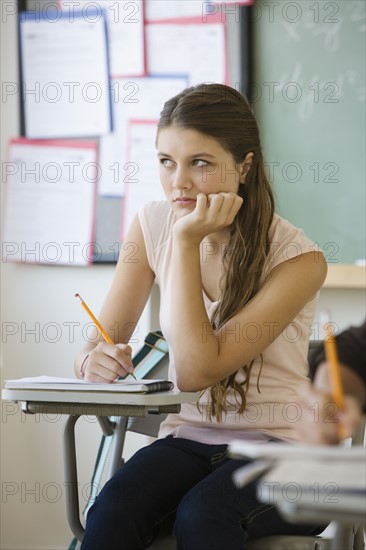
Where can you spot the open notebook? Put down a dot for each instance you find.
(128, 385)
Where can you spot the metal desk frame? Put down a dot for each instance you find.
(75, 404)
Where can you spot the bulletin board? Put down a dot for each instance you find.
(137, 87)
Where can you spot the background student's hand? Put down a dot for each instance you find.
(322, 422)
(212, 213)
(106, 362)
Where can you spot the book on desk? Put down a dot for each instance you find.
(128, 385)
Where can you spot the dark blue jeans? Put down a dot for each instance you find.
(190, 482)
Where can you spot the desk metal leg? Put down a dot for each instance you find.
(71, 478)
(70, 465)
(117, 445)
(359, 538)
(343, 537)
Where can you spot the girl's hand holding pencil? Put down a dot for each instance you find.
(107, 361)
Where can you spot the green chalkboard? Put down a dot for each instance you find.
(308, 93)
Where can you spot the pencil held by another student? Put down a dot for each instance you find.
(330, 347)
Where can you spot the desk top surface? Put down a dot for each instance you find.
(62, 396)
(317, 488)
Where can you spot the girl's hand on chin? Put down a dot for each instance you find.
(212, 213)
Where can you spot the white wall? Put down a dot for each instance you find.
(38, 306)
(346, 306)
(39, 336)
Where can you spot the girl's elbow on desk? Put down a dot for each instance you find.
(196, 377)
(189, 379)
(191, 376)
(186, 384)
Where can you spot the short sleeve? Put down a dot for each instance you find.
(287, 242)
(155, 219)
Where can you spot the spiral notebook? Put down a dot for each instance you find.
(128, 385)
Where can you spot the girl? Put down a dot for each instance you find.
(238, 289)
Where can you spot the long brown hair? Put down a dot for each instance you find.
(221, 112)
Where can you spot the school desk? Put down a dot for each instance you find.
(102, 405)
(311, 484)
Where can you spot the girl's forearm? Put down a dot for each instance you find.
(193, 339)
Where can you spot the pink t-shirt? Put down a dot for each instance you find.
(273, 412)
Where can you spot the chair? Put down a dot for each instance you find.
(150, 425)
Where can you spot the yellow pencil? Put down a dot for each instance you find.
(105, 335)
(331, 354)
